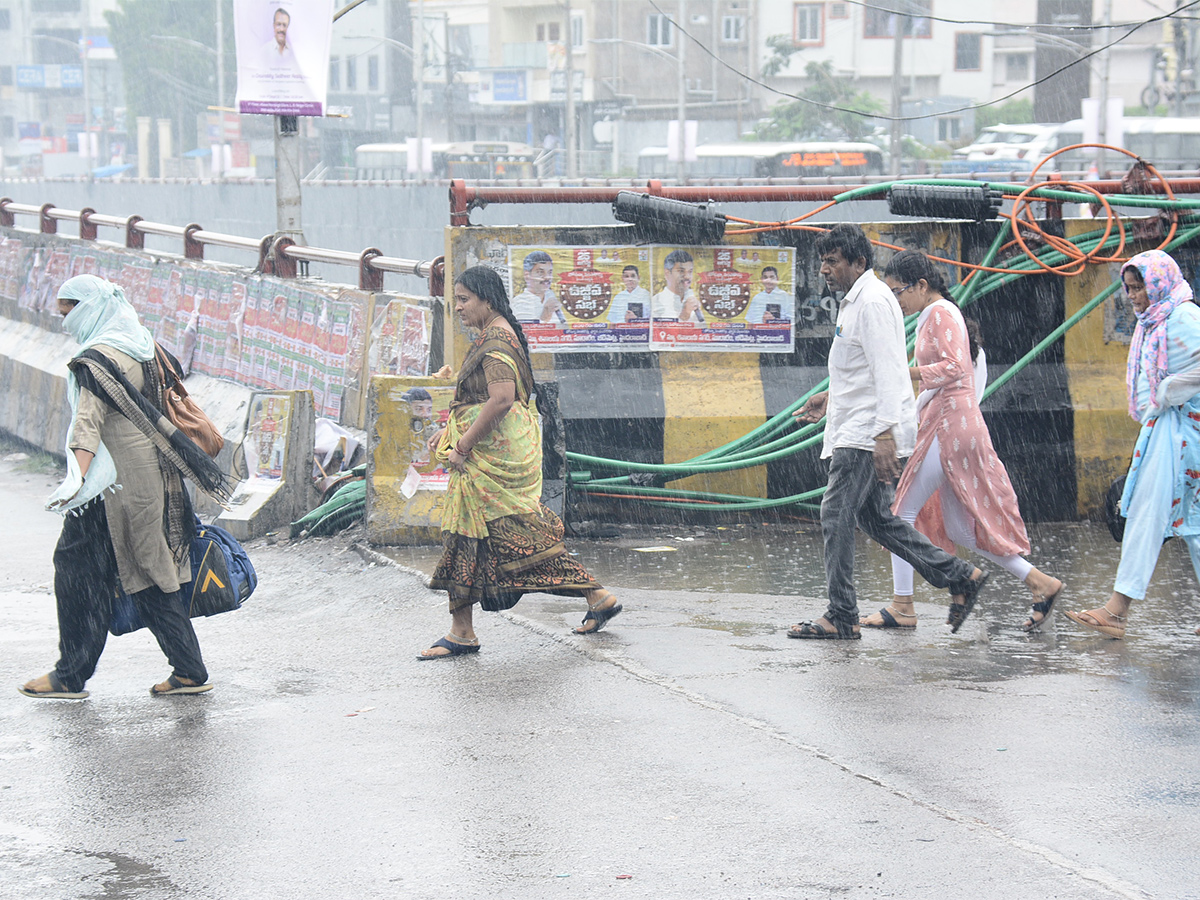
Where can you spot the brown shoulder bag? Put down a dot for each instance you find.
(183, 411)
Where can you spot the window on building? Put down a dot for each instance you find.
(8, 128)
(554, 31)
(879, 20)
(6, 76)
(1016, 67)
(578, 41)
(541, 32)
(949, 128)
(5, 20)
(55, 6)
(335, 73)
(839, 11)
(659, 31)
(351, 73)
(967, 51)
(809, 19)
(733, 29)
(372, 73)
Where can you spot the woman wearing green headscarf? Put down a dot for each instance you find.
(128, 524)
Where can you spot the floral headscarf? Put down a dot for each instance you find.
(1166, 288)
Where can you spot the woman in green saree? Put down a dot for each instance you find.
(499, 540)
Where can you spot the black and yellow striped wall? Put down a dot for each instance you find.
(1059, 425)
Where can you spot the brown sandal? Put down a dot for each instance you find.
(1089, 619)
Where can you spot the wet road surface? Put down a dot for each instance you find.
(691, 745)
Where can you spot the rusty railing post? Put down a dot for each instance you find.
(7, 219)
(192, 248)
(369, 278)
(282, 265)
(49, 225)
(134, 239)
(87, 231)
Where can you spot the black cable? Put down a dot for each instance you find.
(945, 112)
(1017, 27)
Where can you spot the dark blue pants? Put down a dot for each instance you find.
(85, 583)
(855, 496)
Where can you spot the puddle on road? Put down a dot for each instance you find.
(784, 561)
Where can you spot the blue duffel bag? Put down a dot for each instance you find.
(222, 578)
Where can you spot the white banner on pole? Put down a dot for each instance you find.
(283, 56)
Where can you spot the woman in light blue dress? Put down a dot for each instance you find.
(1162, 490)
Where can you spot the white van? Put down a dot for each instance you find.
(1024, 142)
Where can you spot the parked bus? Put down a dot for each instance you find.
(483, 160)
(768, 159)
(1168, 143)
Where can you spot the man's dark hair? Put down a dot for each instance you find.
(286, 14)
(537, 256)
(676, 256)
(633, 269)
(849, 240)
(767, 269)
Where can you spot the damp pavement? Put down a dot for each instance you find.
(689, 751)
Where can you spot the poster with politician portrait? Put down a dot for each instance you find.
(283, 56)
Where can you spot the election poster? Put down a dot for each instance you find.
(582, 299)
(282, 55)
(729, 299)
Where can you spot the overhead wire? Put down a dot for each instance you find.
(890, 118)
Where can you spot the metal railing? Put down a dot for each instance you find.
(277, 254)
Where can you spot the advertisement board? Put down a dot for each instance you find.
(622, 299)
(282, 56)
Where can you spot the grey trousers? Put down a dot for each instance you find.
(855, 496)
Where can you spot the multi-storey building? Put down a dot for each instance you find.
(58, 76)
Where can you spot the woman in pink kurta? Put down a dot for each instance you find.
(954, 487)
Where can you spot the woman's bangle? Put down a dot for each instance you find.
(459, 451)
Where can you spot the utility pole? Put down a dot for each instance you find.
(221, 63)
(899, 27)
(287, 178)
(1181, 50)
(682, 90)
(419, 47)
(569, 129)
(87, 97)
(1101, 157)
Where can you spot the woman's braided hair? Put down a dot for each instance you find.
(911, 266)
(486, 284)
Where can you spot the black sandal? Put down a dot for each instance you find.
(1043, 606)
(600, 616)
(960, 611)
(814, 631)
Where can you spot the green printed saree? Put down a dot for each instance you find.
(499, 540)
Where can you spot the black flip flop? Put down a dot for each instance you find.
(455, 648)
(57, 691)
(889, 621)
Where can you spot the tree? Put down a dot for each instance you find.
(165, 76)
(1014, 112)
(798, 120)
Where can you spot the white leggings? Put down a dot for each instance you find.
(960, 524)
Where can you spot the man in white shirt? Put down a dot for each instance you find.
(277, 53)
(537, 302)
(618, 310)
(768, 305)
(870, 427)
(677, 300)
